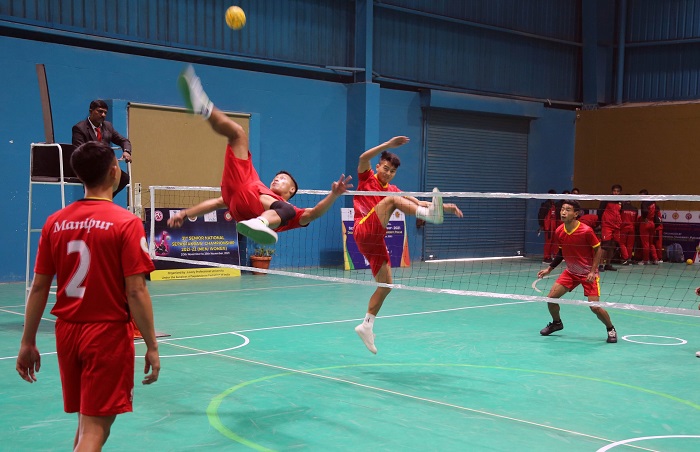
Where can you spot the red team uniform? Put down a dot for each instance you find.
(241, 188)
(578, 248)
(368, 231)
(91, 304)
(627, 236)
(611, 221)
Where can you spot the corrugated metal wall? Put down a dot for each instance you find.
(316, 32)
(443, 52)
(521, 48)
(662, 50)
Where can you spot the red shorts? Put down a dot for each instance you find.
(608, 233)
(96, 362)
(241, 187)
(570, 281)
(369, 235)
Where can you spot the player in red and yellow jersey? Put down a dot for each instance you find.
(372, 214)
(98, 252)
(580, 248)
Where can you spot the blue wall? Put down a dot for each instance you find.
(303, 125)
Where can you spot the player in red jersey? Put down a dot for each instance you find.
(610, 223)
(647, 231)
(372, 214)
(98, 252)
(580, 248)
(258, 210)
(628, 214)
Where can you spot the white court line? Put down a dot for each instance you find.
(412, 397)
(169, 339)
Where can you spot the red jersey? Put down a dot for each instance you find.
(368, 182)
(91, 246)
(578, 248)
(611, 215)
(241, 188)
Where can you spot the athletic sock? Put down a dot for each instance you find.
(369, 320)
(264, 221)
(611, 328)
(422, 213)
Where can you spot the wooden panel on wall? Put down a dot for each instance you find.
(650, 146)
(173, 147)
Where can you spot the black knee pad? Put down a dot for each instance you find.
(284, 210)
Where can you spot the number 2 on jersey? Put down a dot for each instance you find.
(74, 288)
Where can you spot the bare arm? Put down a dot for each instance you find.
(142, 311)
(596, 262)
(337, 188)
(203, 207)
(29, 359)
(368, 155)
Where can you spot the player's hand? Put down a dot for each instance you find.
(177, 220)
(397, 141)
(452, 208)
(697, 292)
(28, 362)
(152, 364)
(341, 185)
(126, 156)
(544, 272)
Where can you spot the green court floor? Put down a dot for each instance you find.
(273, 363)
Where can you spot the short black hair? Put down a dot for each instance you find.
(390, 157)
(296, 186)
(573, 203)
(91, 162)
(98, 103)
(618, 186)
(643, 191)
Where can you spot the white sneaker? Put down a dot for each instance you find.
(697, 354)
(435, 214)
(367, 337)
(257, 231)
(195, 98)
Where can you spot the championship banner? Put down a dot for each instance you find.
(682, 227)
(395, 239)
(209, 238)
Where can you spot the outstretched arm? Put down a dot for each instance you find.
(338, 188)
(203, 207)
(368, 155)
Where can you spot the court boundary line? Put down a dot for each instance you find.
(409, 396)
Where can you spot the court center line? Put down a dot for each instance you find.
(408, 396)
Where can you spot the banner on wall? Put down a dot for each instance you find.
(682, 227)
(209, 238)
(395, 239)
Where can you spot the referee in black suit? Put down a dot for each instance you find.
(95, 128)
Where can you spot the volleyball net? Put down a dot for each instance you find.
(494, 251)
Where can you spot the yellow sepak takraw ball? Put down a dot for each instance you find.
(235, 17)
(689, 262)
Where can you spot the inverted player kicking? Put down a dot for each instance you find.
(258, 210)
(372, 214)
(580, 248)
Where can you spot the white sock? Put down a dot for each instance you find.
(264, 221)
(369, 320)
(422, 213)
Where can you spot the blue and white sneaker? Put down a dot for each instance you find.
(196, 100)
(256, 230)
(435, 213)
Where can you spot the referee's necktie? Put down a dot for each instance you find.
(98, 131)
